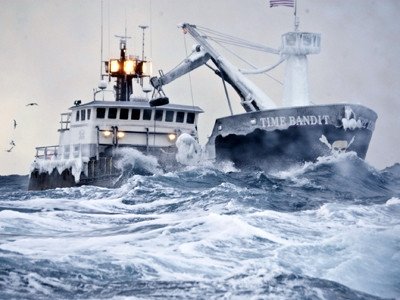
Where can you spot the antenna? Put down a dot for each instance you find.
(101, 41)
(296, 18)
(124, 38)
(143, 27)
(122, 42)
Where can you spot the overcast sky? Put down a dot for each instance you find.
(50, 54)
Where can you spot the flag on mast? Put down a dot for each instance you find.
(274, 3)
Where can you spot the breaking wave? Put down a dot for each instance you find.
(323, 230)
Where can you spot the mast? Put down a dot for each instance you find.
(296, 46)
(123, 89)
(296, 18)
(143, 27)
(125, 69)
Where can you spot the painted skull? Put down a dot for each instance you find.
(339, 146)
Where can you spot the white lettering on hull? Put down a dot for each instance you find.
(285, 121)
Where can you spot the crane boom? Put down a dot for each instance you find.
(195, 60)
(252, 98)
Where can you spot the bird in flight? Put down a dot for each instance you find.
(15, 124)
(9, 150)
(12, 143)
(32, 104)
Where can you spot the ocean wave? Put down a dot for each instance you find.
(328, 229)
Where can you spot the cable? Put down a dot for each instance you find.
(248, 63)
(222, 37)
(265, 69)
(190, 78)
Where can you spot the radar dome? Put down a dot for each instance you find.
(102, 84)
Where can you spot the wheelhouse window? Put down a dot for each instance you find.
(147, 114)
(100, 112)
(83, 115)
(159, 115)
(180, 116)
(88, 113)
(135, 114)
(77, 115)
(169, 116)
(123, 114)
(190, 118)
(112, 113)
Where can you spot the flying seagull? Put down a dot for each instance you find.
(15, 124)
(9, 150)
(32, 104)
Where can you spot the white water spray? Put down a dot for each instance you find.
(189, 150)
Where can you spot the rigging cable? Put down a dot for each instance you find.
(151, 29)
(154, 127)
(101, 43)
(229, 39)
(265, 69)
(108, 24)
(248, 63)
(220, 37)
(226, 93)
(190, 78)
(224, 83)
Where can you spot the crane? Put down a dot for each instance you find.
(252, 98)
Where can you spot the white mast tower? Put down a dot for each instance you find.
(295, 47)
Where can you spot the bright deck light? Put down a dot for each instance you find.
(114, 66)
(147, 68)
(106, 133)
(120, 134)
(129, 66)
(171, 137)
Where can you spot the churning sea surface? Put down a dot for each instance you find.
(323, 230)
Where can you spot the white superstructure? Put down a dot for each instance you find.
(90, 133)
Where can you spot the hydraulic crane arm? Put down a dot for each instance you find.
(195, 60)
(252, 98)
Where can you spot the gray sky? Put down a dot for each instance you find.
(50, 54)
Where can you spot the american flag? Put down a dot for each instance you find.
(274, 3)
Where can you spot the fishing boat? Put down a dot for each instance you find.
(265, 136)
(95, 136)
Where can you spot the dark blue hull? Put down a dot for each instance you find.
(275, 139)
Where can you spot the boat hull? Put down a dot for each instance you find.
(276, 139)
(108, 171)
(262, 140)
(45, 180)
